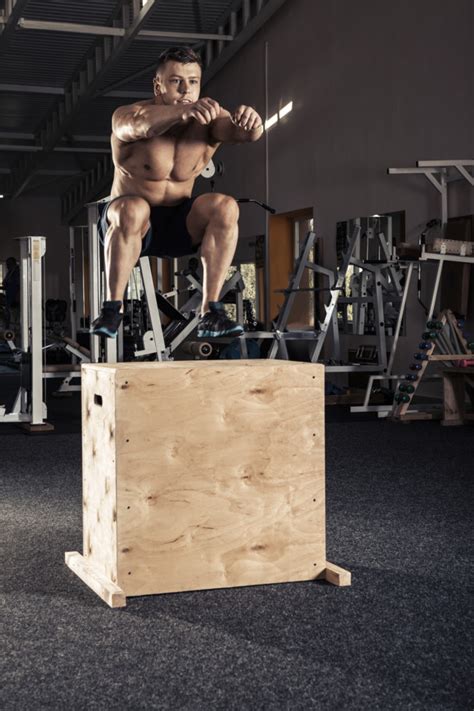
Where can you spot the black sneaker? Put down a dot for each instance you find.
(108, 321)
(216, 323)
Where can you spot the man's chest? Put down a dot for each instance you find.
(176, 154)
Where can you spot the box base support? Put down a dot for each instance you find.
(115, 596)
(335, 575)
(95, 579)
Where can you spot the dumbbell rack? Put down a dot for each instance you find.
(445, 336)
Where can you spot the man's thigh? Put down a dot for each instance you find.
(203, 210)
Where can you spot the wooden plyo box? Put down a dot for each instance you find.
(202, 474)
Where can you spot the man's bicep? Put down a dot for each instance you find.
(127, 123)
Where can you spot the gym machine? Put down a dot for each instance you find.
(28, 407)
(435, 247)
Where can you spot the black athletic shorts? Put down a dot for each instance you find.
(168, 235)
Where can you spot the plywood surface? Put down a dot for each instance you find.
(99, 470)
(220, 474)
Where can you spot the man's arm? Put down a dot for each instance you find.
(138, 121)
(145, 120)
(242, 126)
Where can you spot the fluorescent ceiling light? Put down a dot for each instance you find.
(285, 110)
(2, 196)
(271, 121)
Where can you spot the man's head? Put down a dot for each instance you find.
(11, 263)
(178, 76)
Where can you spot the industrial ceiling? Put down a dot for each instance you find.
(65, 66)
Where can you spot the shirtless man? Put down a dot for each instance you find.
(159, 147)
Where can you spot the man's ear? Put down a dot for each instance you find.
(156, 86)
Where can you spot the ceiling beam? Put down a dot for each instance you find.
(57, 90)
(148, 35)
(9, 20)
(251, 25)
(106, 53)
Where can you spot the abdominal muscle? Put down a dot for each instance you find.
(155, 192)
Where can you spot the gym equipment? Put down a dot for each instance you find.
(454, 351)
(156, 341)
(28, 407)
(199, 349)
(174, 502)
(437, 249)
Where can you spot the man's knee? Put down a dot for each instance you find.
(226, 209)
(217, 207)
(131, 215)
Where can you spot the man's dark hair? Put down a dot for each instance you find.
(184, 55)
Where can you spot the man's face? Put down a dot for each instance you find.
(178, 83)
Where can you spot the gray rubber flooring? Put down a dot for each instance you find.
(399, 517)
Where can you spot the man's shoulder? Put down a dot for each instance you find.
(134, 105)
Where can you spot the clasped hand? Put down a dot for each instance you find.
(206, 110)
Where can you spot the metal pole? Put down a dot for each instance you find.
(400, 317)
(72, 286)
(266, 269)
(37, 249)
(94, 276)
(152, 307)
(380, 317)
(435, 289)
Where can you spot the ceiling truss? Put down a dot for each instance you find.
(88, 83)
(106, 52)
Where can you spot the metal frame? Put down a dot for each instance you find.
(29, 406)
(82, 88)
(432, 168)
(10, 19)
(100, 30)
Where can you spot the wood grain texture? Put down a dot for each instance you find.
(454, 395)
(335, 575)
(99, 497)
(95, 579)
(214, 472)
(228, 475)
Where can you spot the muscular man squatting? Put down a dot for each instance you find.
(159, 147)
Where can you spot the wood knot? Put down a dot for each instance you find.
(258, 547)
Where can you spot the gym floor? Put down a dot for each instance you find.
(399, 509)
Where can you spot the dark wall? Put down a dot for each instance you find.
(374, 85)
(38, 216)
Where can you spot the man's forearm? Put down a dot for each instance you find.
(133, 123)
(158, 119)
(225, 130)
